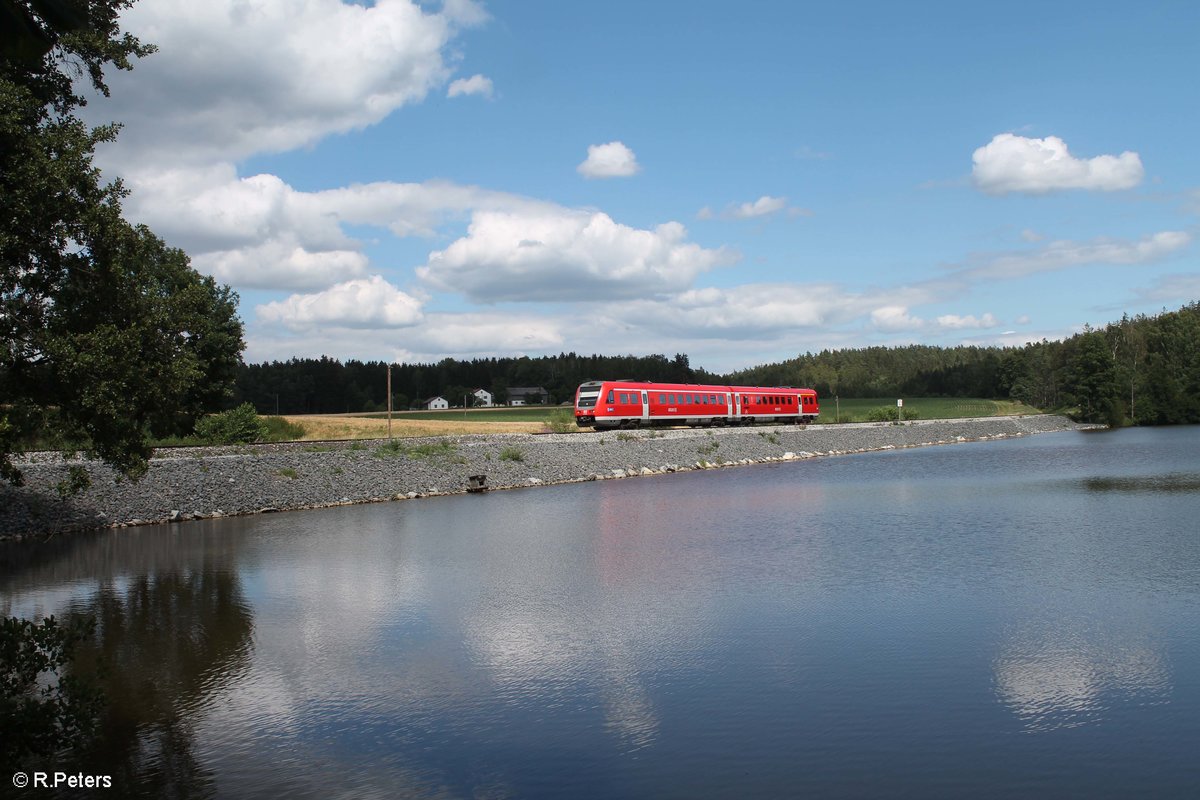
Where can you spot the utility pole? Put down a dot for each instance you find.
(389, 392)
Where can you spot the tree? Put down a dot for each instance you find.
(1093, 376)
(108, 334)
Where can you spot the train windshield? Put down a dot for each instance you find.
(588, 394)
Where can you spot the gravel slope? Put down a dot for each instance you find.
(207, 482)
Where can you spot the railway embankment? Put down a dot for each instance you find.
(202, 483)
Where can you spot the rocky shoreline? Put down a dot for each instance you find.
(201, 483)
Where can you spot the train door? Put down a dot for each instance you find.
(645, 408)
(736, 408)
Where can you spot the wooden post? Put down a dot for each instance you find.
(389, 391)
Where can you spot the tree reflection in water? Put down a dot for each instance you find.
(171, 634)
(166, 643)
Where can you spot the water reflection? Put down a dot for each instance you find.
(867, 625)
(1054, 675)
(172, 632)
(1170, 482)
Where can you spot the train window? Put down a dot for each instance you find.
(623, 398)
(687, 398)
(610, 396)
(662, 398)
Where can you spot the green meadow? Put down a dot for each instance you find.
(857, 409)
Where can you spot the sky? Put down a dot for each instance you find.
(741, 182)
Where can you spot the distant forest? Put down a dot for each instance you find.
(1144, 370)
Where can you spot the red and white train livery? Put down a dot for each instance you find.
(624, 404)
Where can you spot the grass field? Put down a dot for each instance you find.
(534, 418)
(856, 409)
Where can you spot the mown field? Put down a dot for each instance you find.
(515, 414)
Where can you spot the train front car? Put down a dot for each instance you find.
(586, 398)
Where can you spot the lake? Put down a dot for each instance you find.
(1004, 619)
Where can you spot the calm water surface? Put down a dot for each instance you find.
(1007, 619)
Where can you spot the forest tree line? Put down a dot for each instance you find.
(328, 386)
(1143, 369)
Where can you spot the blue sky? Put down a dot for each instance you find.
(740, 182)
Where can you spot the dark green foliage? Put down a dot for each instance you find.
(44, 707)
(328, 386)
(281, 430)
(108, 336)
(1092, 376)
(239, 425)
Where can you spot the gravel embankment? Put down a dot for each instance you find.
(207, 482)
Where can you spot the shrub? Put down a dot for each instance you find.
(439, 447)
(281, 430)
(883, 414)
(240, 425)
(512, 454)
(561, 421)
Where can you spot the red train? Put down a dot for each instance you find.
(625, 404)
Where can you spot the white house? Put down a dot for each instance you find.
(483, 398)
(436, 403)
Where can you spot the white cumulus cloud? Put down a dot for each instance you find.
(476, 84)
(566, 254)
(955, 322)
(765, 206)
(367, 303)
(281, 263)
(231, 78)
(894, 319)
(612, 160)
(1011, 163)
(762, 207)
